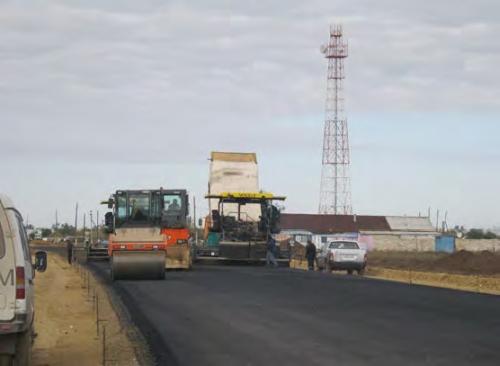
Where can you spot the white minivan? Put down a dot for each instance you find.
(16, 287)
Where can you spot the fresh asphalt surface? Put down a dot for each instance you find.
(222, 315)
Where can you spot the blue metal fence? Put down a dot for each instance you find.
(445, 243)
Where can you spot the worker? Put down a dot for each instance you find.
(174, 206)
(271, 252)
(69, 249)
(310, 255)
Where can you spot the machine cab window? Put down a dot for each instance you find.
(121, 207)
(172, 204)
(138, 207)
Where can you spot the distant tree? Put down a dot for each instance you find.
(46, 232)
(490, 235)
(66, 230)
(480, 234)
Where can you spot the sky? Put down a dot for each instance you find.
(103, 95)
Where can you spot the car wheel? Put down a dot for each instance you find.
(23, 349)
(6, 360)
(361, 272)
(349, 271)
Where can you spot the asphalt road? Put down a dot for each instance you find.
(256, 316)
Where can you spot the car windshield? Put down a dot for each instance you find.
(343, 245)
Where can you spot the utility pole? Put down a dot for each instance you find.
(91, 229)
(437, 220)
(98, 234)
(76, 223)
(335, 192)
(84, 225)
(195, 223)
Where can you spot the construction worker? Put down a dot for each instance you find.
(310, 255)
(69, 249)
(271, 252)
(174, 206)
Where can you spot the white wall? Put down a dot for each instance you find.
(478, 245)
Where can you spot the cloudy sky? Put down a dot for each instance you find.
(100, 95)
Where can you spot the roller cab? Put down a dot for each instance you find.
(147, 233)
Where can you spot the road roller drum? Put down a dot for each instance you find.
(138, 265)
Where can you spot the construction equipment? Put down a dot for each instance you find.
(147, 233)
(238, 230)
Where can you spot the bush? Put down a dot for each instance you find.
(480, 234)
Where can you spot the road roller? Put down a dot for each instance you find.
(148, 233)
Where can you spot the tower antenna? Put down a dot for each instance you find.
(335, 192)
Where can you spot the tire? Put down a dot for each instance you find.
(6, 360)
(349, 272)
(361, 272)
(23, 349)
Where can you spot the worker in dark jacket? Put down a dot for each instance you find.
(271, 252)
(69, 248)
(310, 254)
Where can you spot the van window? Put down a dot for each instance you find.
(24, 238)
(2, 243)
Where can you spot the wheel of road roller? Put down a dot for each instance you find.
(139, 265)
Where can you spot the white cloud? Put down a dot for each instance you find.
(89, 81)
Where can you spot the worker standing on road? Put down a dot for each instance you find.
(69, 248)
(310, 254)
(271, 252)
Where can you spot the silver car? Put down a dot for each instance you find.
(341, 255)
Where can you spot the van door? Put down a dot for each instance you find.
(28, 268)
(7, 269)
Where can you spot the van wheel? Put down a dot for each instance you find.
(6, 360)
(23, 349)
(349, 272)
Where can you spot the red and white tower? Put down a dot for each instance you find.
(335, 196)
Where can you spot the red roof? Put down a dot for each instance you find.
(333, 224)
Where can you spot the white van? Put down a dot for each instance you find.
(16, 287)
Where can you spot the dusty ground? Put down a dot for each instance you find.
(66, 320)
(473, 283)
(468, 263)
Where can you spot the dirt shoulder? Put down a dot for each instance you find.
(65, 308)
(483, 263)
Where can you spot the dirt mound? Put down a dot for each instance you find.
(462, 262)
(484, 262)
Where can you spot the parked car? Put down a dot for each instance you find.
(342, 255)
(16, 287)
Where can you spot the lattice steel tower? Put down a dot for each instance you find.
(335, 196)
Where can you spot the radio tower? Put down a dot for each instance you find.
(335, 196)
